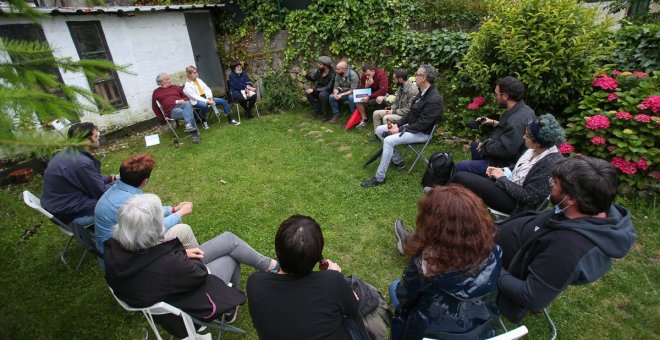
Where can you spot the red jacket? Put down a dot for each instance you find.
(167, 96)
(380, 86)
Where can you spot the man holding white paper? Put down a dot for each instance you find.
(377, 80)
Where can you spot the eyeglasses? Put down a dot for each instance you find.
(551, 182)
(419, 75)
(497, 94)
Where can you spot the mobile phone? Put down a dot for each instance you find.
(323, 264)
(481, 120)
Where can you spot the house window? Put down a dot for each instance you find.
(90, 43)
(29, 33)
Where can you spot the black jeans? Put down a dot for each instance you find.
(494, 196)
(319, 102)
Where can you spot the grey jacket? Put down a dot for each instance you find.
(404, 97)
(506, 144)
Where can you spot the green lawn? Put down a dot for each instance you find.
(275, 166)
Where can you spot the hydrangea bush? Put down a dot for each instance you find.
(619, 122)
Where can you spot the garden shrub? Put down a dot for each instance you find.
(278, 95)
(451, 13)
(553, 46)
(618, 121)
(638, 47)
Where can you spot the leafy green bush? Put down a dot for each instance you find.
(553, 46)
(441, 48)
(280, 93)
(451, 13)
(637, 47)
(618, 122)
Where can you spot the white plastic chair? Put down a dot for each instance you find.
(61, 125)
(513, 334)
(34, 202)
(189, 322)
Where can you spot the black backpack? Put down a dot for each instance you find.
(439, 170)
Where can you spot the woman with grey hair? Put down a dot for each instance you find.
(526, 185)
(143, 269)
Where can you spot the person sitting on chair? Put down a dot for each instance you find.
(572, 244)
(72, 180)
(505, 145)
(175, 105)
(297, 302)
(415, 127)
(402, 100)
(377, 80)
(142, 269)
(526, 186)
(324, 77)
(135, 172)
(241, 88)
(201, 97)
(346, 80)
(449, 287)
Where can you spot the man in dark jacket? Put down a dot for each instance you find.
(318, 95)
(415, 127)
(73, 182)
(574, 244)
(506, 144)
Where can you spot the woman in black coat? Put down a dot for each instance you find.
(526, 186)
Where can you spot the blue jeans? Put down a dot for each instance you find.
(184, 111)
(334, 104)
(389, 153)
(477, 165)
(393, 299)
(82, 221)
(204, 107)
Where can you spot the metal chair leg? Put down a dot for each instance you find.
(81, 260)
(552, 324)
(66, 247)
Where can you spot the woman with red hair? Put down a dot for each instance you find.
(449, 287)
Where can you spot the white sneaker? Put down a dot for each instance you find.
(205, 125)
(189, 128)
(234, 122)
(362, 124)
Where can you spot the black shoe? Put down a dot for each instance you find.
(399, 166)
(374, 139)
(372, 183)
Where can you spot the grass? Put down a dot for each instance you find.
(273, 167)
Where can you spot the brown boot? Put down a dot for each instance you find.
(333, 120)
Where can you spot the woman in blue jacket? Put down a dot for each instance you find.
(241, 88)
(449, 287)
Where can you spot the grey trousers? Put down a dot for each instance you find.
(224, 254)
(389, 153)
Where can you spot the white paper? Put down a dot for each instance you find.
(358, 94)
(152, 140)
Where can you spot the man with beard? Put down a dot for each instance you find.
(377, 80)
(573, 244)
(401, 105)
(318, 96)
(346, 80)
(73, 182)
(506, 144)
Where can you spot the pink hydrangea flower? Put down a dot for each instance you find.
(616, 73)
(655, 174)
(651, 103)
(605, 83)
(629, 168)
(623, 115)
(611, 148)
(641, 164)
(598, 140)
(476, 103)
(640, 74)
(612, 96)
(642, 118)
(566, 148)
(597, 122)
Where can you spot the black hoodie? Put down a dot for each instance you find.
(561, 252)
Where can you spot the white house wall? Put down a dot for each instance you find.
(149, 42)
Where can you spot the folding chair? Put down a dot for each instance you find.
(513, 334)
(61, 125)
(172, 124)
(551, 323)
(87, 240)
(500, 216)
(231, 100)
(189, 322)
(33, 202)
(418, 152)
